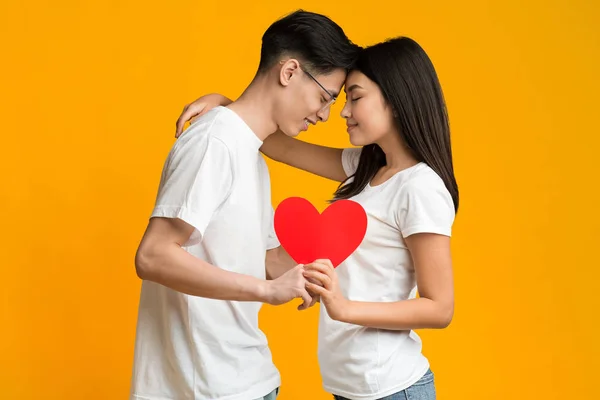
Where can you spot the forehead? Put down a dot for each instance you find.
(332, 81)
(356, 78)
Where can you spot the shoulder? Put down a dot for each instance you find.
(207, 133)
(423, 178)
(423, 203)
(350, 159)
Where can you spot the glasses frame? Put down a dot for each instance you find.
(332, 98)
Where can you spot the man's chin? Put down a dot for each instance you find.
(291, 132)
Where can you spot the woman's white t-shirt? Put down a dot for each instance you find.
(357, 362)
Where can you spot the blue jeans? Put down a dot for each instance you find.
(423, 389)
(271, 396)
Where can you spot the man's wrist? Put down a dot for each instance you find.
(264, 291)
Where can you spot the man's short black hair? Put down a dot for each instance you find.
(318, 42)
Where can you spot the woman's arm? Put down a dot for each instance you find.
(319, 160)
(433, 309)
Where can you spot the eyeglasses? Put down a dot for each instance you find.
(332, 98)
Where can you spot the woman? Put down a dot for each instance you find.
(403, 177)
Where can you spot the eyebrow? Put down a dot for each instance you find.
(351, 88)
(333, 93)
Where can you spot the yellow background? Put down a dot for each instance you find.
(89, 98)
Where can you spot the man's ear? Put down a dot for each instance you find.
(288, 68)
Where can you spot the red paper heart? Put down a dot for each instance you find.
(307, 235)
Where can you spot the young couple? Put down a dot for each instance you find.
(209, 257)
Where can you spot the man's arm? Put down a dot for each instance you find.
(161, 259)
(278, 262)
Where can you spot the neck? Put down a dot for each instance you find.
(397, 155)
(255, 106)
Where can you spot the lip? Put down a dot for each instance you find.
(305, 126)
(350, 127)
(307, 123)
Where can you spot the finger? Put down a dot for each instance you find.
(180, 122)
(317, 276)
(315, 300)
(312, 303)
(325, 261)
(187, 114)
(312, 265)
(307, 300)
(314, 281)
(183, 118)
(324, 269)
(316, 289)
(323, 279)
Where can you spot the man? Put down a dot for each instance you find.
(210, 242)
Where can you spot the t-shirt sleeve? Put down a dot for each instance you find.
(425, 206)
(350, 157)
(196, 180)
(272, 240)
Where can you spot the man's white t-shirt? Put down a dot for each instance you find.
(357, 362)
(190, 347)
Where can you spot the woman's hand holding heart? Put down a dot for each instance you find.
(327, 287)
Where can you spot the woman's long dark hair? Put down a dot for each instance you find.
(410, 86)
